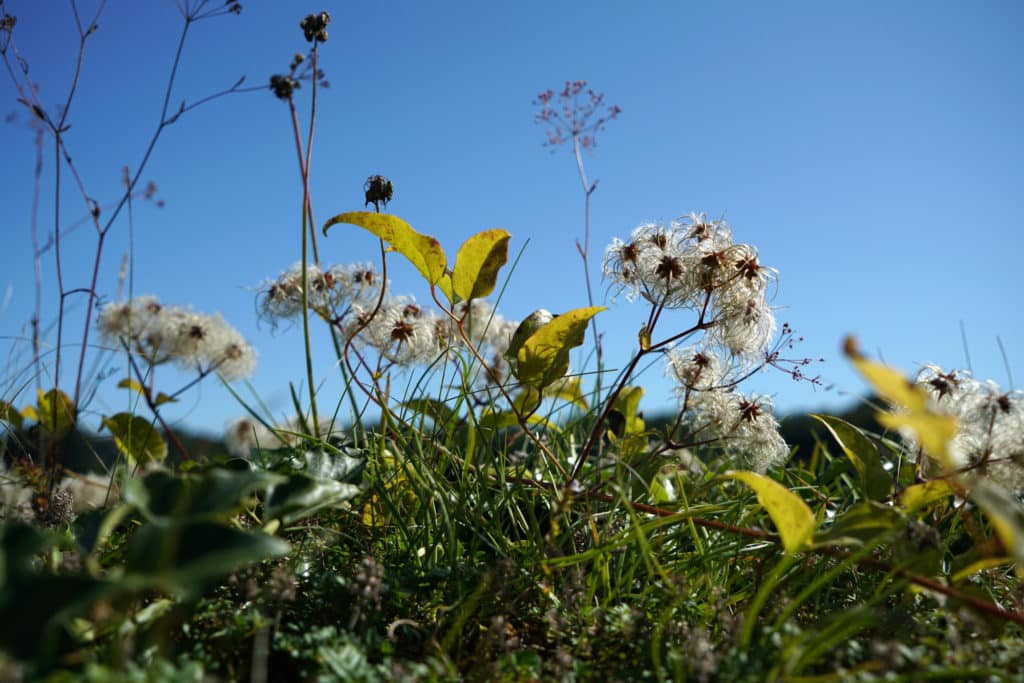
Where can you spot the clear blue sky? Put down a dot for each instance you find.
(872, 151)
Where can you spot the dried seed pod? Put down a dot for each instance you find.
(379, 190)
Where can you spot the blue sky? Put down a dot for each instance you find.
(871, 151)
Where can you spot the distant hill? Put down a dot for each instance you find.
(85, 452)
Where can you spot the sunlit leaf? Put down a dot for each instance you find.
(876, 483)
(478, 262)
(11, 415)
(791, 515)
(567, 389)
(162, 398)
(423, 251)
(55, 412)
(137, 439)
(1006, 515)
(544, 356)
(663, 489)
(627, 407)
(932, 430)
(302, 496)
(134, 385)
(344, 465)
(920, 496)
(436, 410)
(446, 287)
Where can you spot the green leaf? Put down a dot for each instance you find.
(214, 494)
(346, 465)
(10, 414)
(876, 483)
(860, 524)
(423, 251)
(37, 608)
(791, 515)
(183, 556)
(567, 389)
(436, 410)
(20, 545)
(55, 412)
(478, 262)
(663, 490)
(302, 496)
(544, 356)
(137, 439)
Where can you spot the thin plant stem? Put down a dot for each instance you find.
(584, 251)
(308, 234)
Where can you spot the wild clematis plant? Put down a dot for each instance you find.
(694, 265)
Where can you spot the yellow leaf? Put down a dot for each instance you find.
(129, 383)
(445, 285)
(423, 251)
(932, 431)
(544, 356)
(10, 414)
(55, 412)
(918, 496)
(791, 515)
(478, 262)
(136, 438)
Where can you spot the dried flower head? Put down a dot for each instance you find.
(314, 27)
(283, 86)
(990, 436)
(162, 334)
(379, 190)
